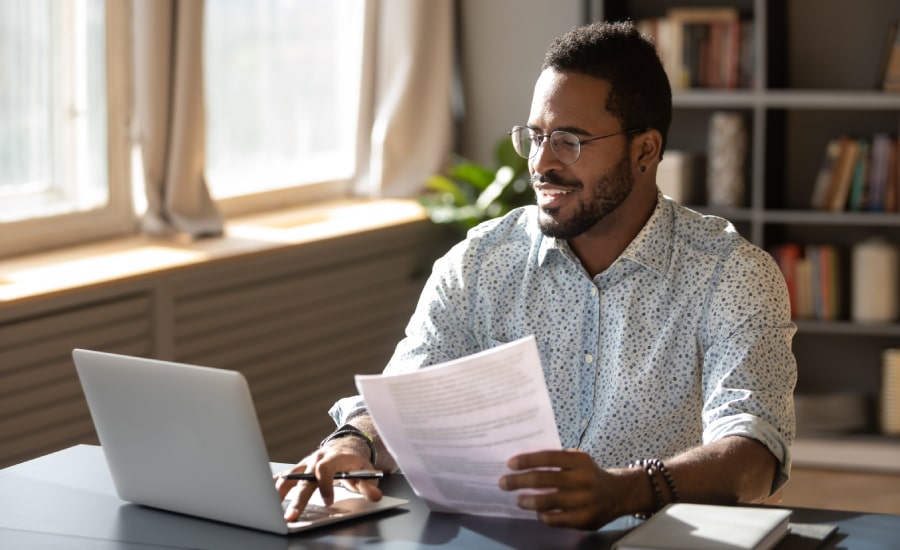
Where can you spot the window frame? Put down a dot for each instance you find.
(309, 192)
(120, 217)
(117, 217)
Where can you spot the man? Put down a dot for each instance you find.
(664, 336)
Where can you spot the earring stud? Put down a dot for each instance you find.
(642, 168)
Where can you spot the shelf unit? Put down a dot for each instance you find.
(817, 70)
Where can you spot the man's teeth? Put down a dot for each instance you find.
(554, 192)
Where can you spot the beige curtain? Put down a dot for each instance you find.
(406, 113)
(170, 123)
(411, 91)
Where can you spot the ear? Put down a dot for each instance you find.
(646, 149)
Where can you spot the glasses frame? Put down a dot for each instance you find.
(541, 138)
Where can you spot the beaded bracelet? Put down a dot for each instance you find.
(651, 466)
(661, 468)
(657, 492)
(351, 430)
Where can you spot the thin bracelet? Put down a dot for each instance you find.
(350, 430)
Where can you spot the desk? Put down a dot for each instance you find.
(67, 500)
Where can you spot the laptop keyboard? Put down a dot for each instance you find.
(313, 512)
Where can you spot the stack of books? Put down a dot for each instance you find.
(859, 174)
(812, 274)
(704, 47)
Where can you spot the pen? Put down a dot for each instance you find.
(357, 474)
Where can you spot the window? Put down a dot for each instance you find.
(282, 80)
(282, 94)
(54, 140)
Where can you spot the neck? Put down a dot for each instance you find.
(599, 247)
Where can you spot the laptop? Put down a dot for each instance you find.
(186, 439)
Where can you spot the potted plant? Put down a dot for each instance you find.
(467, 193)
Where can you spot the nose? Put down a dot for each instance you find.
(544, 158)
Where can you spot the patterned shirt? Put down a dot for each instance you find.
(683, 340)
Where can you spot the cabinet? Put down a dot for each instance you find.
(817, 77)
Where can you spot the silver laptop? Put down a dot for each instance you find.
(186, 439)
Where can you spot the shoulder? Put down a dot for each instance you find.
(519, 224)
(713, 236)
(505, 237)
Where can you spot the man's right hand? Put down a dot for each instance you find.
(339, 455)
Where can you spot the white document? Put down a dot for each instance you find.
(452, 427)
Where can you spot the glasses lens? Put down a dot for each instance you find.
(523, 141)
(566, 146)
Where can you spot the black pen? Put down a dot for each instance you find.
(357, 474)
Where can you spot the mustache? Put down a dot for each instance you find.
(554, 178)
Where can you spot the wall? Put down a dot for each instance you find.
(503, 45)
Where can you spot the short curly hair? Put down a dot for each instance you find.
(618, 53)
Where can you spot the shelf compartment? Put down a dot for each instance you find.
(810, 326)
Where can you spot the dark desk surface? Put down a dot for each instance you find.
(67, 500)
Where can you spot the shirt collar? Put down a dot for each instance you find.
(645, 249)
(652, 246)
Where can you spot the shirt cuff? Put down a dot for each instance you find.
(755, 428)
(346, 408)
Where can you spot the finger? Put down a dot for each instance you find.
(549, 501)
(547, 459)
(368, 489)
(301, 499)
(282, 485)
(531, 479)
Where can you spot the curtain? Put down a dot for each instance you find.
(170, 121)
(410, 96)
(406, 128)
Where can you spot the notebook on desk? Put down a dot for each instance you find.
(186, 439)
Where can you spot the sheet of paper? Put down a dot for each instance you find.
(452, 427)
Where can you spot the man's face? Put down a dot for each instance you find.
(574, 198)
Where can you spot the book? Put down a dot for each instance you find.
(860, 178)
(823, 178)
(827, 278)
(683, 526)
(878, 173)
(803, 275)
(747, 67)
(786, 256)
(815, 281)
(892, 195)
(890, 72)
(839, 188)
(688, 49)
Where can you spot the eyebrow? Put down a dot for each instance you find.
(571, 129)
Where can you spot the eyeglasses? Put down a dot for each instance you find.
(565, 145)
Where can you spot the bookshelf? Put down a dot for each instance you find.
(817, 70)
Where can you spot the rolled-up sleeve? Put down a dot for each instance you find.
(749, 370)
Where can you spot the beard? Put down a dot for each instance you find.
(605, 196)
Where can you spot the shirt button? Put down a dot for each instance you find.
(588, 358)
(593, 291)
(584, 423)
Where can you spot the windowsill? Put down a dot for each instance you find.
(35, 276)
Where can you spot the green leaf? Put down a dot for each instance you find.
(506, 156)
(476, 175)
(494, 191)
(444, 185)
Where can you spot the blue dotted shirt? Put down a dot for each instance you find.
(683, 340)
